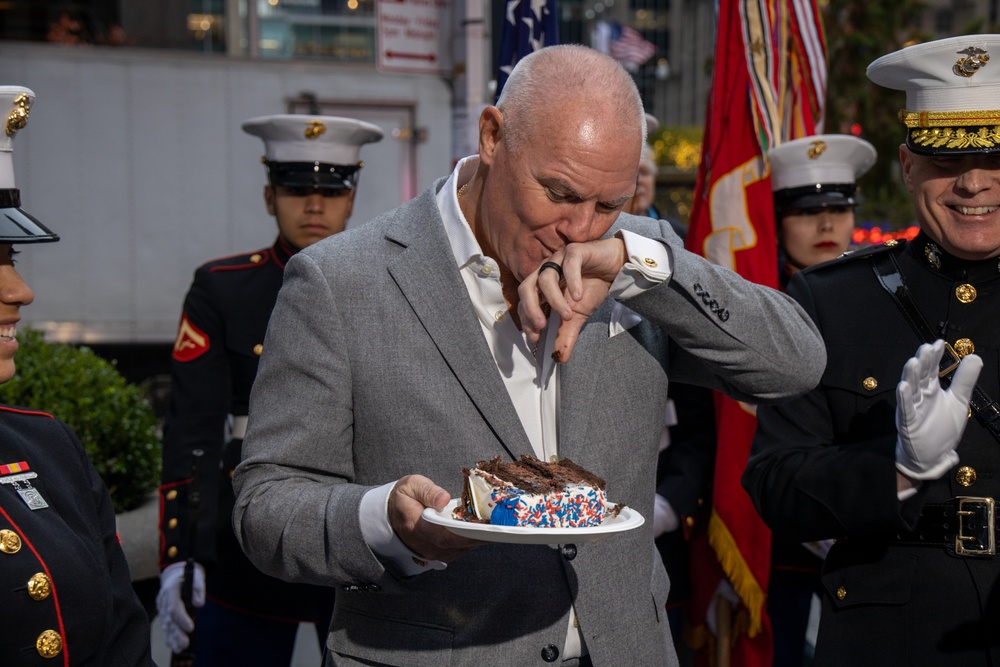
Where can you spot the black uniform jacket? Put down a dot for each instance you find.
(214, 364)
(67, 595)
(684, 476)
(823, 466)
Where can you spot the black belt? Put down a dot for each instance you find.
(964, 526)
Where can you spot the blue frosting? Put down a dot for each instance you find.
(503, 513)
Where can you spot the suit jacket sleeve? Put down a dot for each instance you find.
(296, 498)
(749, 341)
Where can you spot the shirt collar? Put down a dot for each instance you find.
(463, 242)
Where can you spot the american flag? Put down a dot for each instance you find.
(528, 26)
(629, 48)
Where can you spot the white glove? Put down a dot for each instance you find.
(665, 519)
(930, 420)
(173, 616)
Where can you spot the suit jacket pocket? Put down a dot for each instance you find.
(867, 573)
(390, 641)
(860, 385)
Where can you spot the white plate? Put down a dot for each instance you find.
(626, 520)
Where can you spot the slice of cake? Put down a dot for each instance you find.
(533, 493)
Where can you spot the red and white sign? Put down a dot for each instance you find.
(413, 36)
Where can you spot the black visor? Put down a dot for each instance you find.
(17, 226)
(820, 195)
(313, 175)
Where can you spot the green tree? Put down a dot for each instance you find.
(857, 33)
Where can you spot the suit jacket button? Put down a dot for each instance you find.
(373, 588)
(550, 653)
(569, 551)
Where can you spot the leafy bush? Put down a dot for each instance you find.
(115, 422)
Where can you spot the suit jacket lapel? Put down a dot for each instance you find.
(426, 274)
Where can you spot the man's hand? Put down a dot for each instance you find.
(173, 616)
(407, 501)
(930, 420)
(588, 271)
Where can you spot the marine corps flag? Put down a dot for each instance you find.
(768, 86)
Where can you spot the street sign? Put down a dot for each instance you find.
(414, 36)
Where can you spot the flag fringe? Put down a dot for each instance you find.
(738, 572)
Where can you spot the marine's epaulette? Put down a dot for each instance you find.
(853, 255)
(247, 260)
(25, 411)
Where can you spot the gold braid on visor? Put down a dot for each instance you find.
(953, 129)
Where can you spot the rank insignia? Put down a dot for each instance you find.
(191, 341)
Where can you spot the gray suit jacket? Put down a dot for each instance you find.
(375, 367)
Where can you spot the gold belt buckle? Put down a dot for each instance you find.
(974, 536)
(955, 357)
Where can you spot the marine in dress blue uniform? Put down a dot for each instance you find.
(67, 595)
(250, 618)
(905, 484)
(814, 181)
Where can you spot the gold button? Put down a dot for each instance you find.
(421, 563)
(255, 258)
(10, 542)
(172, 494)
(966, 293)
(257, 349)
(172, 552)
(172, 523)
(701, 501)
(650, 262)
(891, 243)
(499, 315)
(689, 521)
(553, 459)
(869, 383)
(963, 346)
(965, 476)
(231, 473)
(49, 644)
(39, 587)
(841, 593)
(487, 269)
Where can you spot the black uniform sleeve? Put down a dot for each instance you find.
(686, 468)
(201, 395)
(808, 482)
(127, 639)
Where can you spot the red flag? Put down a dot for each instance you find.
(768, 86)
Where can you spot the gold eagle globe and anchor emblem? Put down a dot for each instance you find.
(974, 60)
(18, 117)
(816, 148)
(314, 129)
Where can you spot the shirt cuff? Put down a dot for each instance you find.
(647, 266)
(381, 539)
